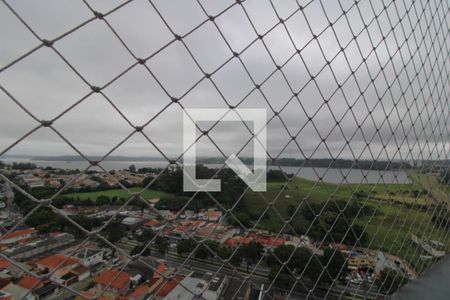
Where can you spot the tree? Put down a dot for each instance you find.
(103, 200)
(236, 259)
(314, 269)
(185, 246)
(146, 235)
(283, 278)
(202, 252)
(138, 249)
(161, 244)
(391, 280)
(300, 260)
(221, 250)
(114, 232)
(132, 168)
(252, 252)
(336, 262)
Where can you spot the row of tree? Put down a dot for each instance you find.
(288, 262)
(249, 253)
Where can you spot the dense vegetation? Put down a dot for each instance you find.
(391, 280)
(300, 261)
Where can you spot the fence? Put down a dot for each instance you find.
(356, 93)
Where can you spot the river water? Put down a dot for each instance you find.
(328, 175)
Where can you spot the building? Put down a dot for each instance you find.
(45, 291)
(29, 282)
(18, 236)
(37, 247)
(212, 215)
(113, 281)
(57, 261)
(133, 222)
(17, 292)
(265, 240)
(206, 286)
(81, 272)
(61, 266)
(165, 287)
(89, 295)
(77, 210)
(154, 224)
(89, 257)
(31, 181)
(168, 215)
(68, 279)
(5, 296)
(139, 270)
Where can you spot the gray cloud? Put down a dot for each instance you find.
(46, 85)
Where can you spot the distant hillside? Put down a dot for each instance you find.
(316, 163)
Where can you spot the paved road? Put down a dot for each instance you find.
(260, 277)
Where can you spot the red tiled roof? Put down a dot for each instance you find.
(28, 282)
(54, 261)
(18, 233)
(339, 246)
(270, 241)
(211, 214)
(4, 264)
(80, 269)
(198, 223)
(153, 281)
(151, 223)
(90, 295)
(167, 286)
(108, 276)
(139, 291)
(237, 240)
(159, 270)
(4, 282)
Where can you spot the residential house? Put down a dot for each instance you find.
(113, 281)
(29, 282)
(90, 257)
(62, 264)
(18, 236)
(17, 292)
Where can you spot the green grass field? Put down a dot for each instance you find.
(432, 185)
(390, 228)
(119, 193)
(301, 189)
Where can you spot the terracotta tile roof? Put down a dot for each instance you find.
(26, 240)
(212, 214)
(238, 240)
(4, 264)
(159, 270)
(151, 223)
(138, 292)
(80, 269)
(4, 282)
(270, 241)
(153, 281)
(90, 295)
(167, 286)
(198, 223)
(54, 261)
(108, 276)
(28, 282)
(18, 233)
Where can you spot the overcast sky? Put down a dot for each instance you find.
(45, 85)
